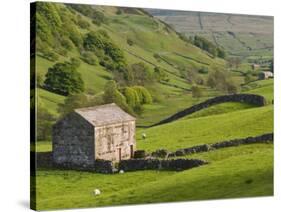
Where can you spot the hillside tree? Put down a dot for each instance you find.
(64, 79)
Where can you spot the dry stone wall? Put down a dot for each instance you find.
(243, 98)
(45, 160)
(265, 138)
(157, 164)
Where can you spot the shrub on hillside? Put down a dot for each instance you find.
(67, 43)
(83, 24)
(98, 18)
(221, 53)
(45, 51)
(130, 42)
(113, 95)
(74, 34)
(88, 57)
(143, 94)
(75, 62)
(62, 78)
(203, 70)
(157, 57)
(132, 97)
(139, 74)
(160, 75)
(196, 92)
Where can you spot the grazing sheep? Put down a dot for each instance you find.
(143, 135)
(121, 171)
(97, 192)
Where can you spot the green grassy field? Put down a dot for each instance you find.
(232, 173)
(209, 129)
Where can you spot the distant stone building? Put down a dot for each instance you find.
(102, 132)
(265, 75)
(255, 66)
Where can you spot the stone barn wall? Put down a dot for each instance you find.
(111, 139)
(73, 141)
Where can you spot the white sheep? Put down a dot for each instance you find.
(143, 135)
(97, 192)
(121, 171)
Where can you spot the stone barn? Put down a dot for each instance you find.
(103, 132)
(265, 75)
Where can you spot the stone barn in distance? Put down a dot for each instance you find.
(103, 132)
(265, 75)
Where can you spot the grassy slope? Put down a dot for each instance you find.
(209, 129)
(264, 88)
(234, 172)
(50, 100)
(219, 109)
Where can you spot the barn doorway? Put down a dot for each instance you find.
(119, 154)
(131, 151)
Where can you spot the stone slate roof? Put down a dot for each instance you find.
(104, 114)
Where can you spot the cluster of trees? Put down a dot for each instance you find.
(208, 46)
(109, 54)
(56, 30)
(128, 98)
(139, 74)
(222, 81)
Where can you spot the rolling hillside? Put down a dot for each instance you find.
(241, 35)
(175, 55)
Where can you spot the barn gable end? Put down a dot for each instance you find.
(73, 141)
